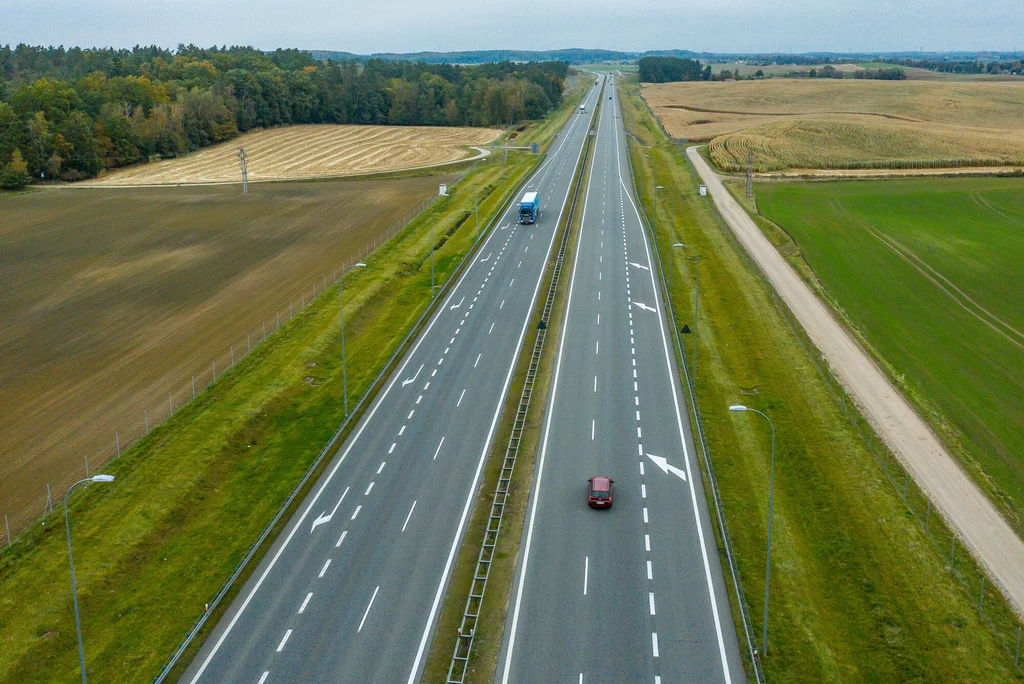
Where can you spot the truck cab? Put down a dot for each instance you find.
(529, 208)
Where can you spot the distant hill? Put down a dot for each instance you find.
(571, 55)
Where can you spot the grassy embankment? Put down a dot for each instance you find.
(491, 623)
(945, 319)
(188, 501)
(859, 593)
(847, 124)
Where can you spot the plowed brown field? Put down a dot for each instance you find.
(114, 298)
(311, 151)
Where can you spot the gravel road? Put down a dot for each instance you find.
(959, 500)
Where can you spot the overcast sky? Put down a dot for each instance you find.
(366, 26)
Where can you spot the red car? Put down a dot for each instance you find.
(599, 491)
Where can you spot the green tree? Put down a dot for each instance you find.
(15, 174)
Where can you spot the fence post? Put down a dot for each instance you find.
(290, 314)
(232, 357)
(278, 320)
(49, 501)
(906, 476)
(264, 331)
(117, 443)
(952, 554)
(8, 526)
(981, 597)
(145, 419)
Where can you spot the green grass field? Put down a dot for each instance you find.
(930, 273)
(859, 592)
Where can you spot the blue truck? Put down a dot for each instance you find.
(529, 208)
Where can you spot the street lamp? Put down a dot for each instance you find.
(696, 301)
(71, 562)
(771, 495)
(341, 308)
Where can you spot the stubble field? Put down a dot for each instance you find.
(112, 299)
(310, 151)
(849, 124)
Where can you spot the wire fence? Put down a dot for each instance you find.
(137, 417)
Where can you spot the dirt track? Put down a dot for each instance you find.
(962, 504)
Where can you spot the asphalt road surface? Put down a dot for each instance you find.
(634, 593)
(351, 589)
(963, 505)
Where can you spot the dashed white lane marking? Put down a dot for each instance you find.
(368, 489)
(641, 467)
(406, 523)
(264, 677)
(595, 383)
(638, 434)
(512, 283)
(439, 362)
(323, 570)
(438, 449)
(393, 445)
(654, 643)
(382, 464)
(657, 679)
(305, 603)
(459, 402)
(520, 265)
(643, 491)
(356, 512)
(650, 598)
(341, 539)
(401, 431)
(598, 295)
(593, 425)
(647, 542)
(409, 417)
(491, 328)
(646, 520)
(597, 346)
(419, 399)
(586, 576)
(446, 349)
(284, 640)
(427, 386)
(502, 305)
(650, 572)
(367, 612)
(477, 359)
(599, 319)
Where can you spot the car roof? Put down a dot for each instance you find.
(597, 481)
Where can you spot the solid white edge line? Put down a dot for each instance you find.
(438, 449)
(483, 454)
(682, 434)
(586, 573)
(539, 468)
(406, 524)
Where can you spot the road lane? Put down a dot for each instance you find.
(369, 576)
(655, 607)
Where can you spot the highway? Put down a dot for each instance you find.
(351, 589)
(634, 593)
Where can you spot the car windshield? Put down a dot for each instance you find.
(600, 494)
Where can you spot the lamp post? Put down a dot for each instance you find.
(71, 562)
(341, 308)
(696, 301)
(771, 496)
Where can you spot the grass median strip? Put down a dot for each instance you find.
(490, 624)
(858, 591)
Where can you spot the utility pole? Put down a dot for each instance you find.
(245, 172)
(750, 173)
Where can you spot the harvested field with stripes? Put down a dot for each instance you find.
(310, 151)
(847, 124)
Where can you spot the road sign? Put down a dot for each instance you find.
(686, 329)
(443, 190)
(703, 190)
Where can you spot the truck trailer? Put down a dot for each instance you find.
(529, 208)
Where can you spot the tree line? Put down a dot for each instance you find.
(670, 69)
(1015, 67)
(71, 113)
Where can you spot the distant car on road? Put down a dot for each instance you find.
(599, 491)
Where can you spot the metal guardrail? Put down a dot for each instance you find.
(459, 665)
(713, 482)
(367, 395)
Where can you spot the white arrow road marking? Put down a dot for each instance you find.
(456, 306)
(324, 517)
(486, 257)
(413, 378)
(645, 307)
(662, 463)
(639, 266)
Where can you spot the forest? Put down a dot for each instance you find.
(69, 114)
